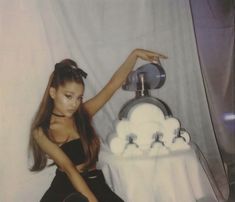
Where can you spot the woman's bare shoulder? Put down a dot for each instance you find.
(38, 133)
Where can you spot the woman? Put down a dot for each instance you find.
(62, 131)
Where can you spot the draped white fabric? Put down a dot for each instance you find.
(35, 34)
(156, 179)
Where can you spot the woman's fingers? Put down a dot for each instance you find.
(158, 55)
(150, 55)
(161, 56)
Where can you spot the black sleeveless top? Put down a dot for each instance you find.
(74, 150)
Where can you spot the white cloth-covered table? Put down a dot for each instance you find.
(176, 177)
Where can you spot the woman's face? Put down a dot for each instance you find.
(67, 98)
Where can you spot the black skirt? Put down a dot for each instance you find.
(61, 189)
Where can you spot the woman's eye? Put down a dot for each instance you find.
(80, 98)
(68, 96)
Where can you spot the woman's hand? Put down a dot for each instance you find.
(148, 55)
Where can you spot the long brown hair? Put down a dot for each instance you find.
(65, 71)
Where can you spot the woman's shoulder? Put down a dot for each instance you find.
(39, 135)
(53, 136)
(37, 132)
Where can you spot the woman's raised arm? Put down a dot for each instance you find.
(64, 163)
(94, 104)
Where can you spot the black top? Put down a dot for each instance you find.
(62, 189)
(74, 150)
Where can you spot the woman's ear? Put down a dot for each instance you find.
(52, 92)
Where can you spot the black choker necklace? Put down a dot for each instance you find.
(58, 115)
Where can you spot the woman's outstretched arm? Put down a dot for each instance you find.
(64, 163)
(97, 102)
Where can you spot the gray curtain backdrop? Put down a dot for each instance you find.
(35, 34)
(214, 29)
